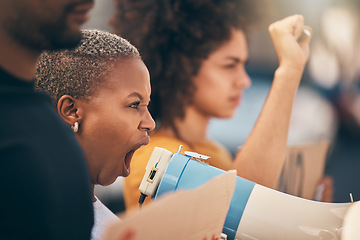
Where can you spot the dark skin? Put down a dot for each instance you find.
(113, 122)
(22, 40)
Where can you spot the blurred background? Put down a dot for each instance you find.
(327, 106)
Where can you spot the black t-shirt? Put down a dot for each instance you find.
(45, 190)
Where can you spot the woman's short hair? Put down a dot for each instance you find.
(79, 71)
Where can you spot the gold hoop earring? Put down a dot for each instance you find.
(75, 127)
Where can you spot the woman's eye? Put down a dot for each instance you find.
(135, 105)
(230, 66)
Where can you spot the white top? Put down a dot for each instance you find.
(102, 217)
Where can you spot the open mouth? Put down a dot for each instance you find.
(128, 158)
(130, 154)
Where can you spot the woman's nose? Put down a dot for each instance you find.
(242, 79)
(148, 123)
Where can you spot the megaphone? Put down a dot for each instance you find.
(255, 212)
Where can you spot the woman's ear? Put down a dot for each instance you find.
(68, 109)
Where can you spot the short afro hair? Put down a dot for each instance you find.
(175, 37)
(79, 71)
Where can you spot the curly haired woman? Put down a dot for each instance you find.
(196, 53)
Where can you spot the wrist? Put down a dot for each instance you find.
(288, 77)
(290, 70)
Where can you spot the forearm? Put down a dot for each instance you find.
(262, 156)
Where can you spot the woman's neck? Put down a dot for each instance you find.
(193, 128)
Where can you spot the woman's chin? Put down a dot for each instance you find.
(107, 181)
(226, 115)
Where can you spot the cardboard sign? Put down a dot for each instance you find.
(197, 214)
(303, 169)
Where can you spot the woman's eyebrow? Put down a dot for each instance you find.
(136, 94)
(236, 59)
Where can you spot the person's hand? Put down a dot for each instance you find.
(290, 42)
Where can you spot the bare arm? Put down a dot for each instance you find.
(262, 156)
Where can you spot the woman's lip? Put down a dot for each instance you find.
(144, 141)
(236, 100)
